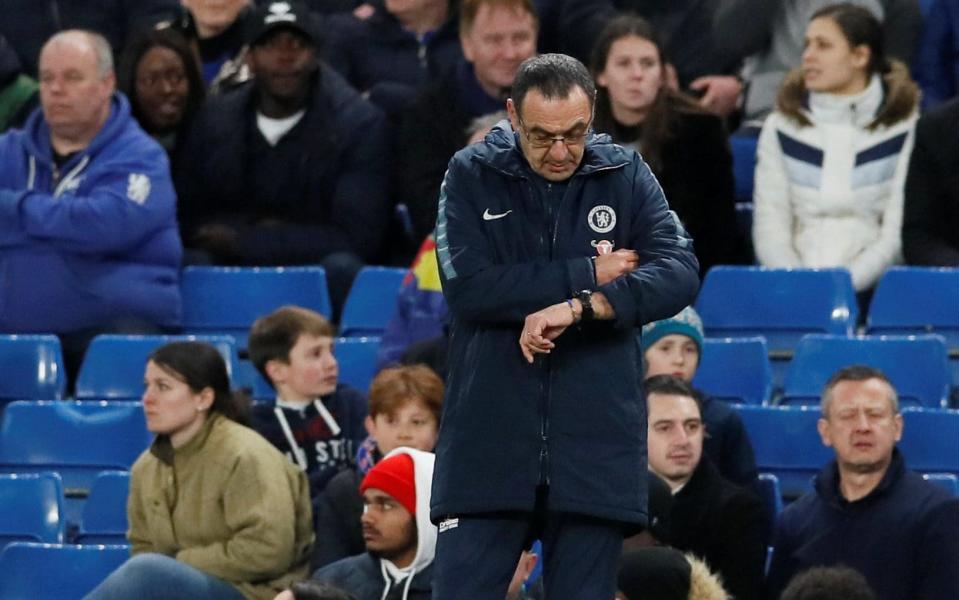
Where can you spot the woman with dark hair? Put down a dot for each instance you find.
(159, 74)
(832, 157)
(685, 146)
(215, 511)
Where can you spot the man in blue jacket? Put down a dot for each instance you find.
(554, 245)
(867, 511)
(88, 233)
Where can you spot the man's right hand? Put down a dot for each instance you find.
(615, 264)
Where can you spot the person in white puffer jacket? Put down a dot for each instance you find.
(832, 157)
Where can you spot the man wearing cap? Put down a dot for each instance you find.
(400, 539)
(292, 168)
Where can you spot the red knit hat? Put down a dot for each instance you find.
(394, 475)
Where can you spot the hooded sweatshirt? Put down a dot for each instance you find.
(370, 578)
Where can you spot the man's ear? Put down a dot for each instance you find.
(276, 369)
(370, 426)
(513, 115)
(822, 425)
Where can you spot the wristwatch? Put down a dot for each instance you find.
(585, 298)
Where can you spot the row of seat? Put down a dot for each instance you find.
(31, 570)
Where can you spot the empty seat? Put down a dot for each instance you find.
(357, 359)
(915, 300)
(105, 511)
(76, 439)
(947, 481)
(735, 370)
(787, 444)
(31, 508)
(929, 440)
(226, 300)
(781, 305)
(113, 365)
(917, 366)
(31, 368)
(371, 302)
(56, 572)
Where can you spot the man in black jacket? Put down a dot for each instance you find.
(714, 519)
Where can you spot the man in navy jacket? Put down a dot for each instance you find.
(553, 246)
(88, 234)
(867, 511)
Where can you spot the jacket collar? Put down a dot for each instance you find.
(164, 450)
(502, 152)
(859, 109)
(827, 483)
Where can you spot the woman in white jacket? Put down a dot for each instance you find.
(832, 158)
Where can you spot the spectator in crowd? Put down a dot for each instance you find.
(19, 93)
(214, 510)
(674, 346)
(773, 35)
(395, 53)
(524, 433)
(220, 31)
(313, 590)
(404, 410)
(936, 68)
(664, 573)
(316, 422)
(496, 36)
(832, 159)
(867, 511)
(685, 28)
(721, 523)
(400, 539)
(159, 74)
(292, 168)
(27, 24)
(930, 223)
(421, 312)
(676, 137)
(85, 200)
(828, 583)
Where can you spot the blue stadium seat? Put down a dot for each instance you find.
(226, 300)
(772, 498)
(31, 368)
(76, 439)
(946, 481)
(735, 370)
(743, 148)
(787, 444)
(357, 358)
(371, 302)
(113, 365)
(929, 440)
(917, 366)
(56, 572)
(105, 511)
(31, 508)
(781, 305)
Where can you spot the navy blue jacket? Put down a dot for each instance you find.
(936, 69)
(575, 419)
(28, 24)
(361, 576)
(903, 537)
(727, 444)
(95, 244)
(339, 191)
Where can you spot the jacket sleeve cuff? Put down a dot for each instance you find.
(581, 275)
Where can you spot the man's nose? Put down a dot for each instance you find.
(558, 150)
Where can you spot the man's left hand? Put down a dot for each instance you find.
(542, 327)
(720, 93)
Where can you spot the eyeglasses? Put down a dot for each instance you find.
(542, 141)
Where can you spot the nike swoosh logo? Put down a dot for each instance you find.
(488, 216)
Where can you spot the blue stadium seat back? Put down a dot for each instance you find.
(256, 385)
(929, 440)
(357, 359)
(56, 571)
(31, 508)
(105, 511)
(787, 444)
(916, 300)
(227, 300)
(78, 440)
(113, 365)
(735, 370)
(946, 481)
(771, 496)
(371, 302)
(31, 368)
(917, 366)
(781, 305)
(744, 220)
(743, 149)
